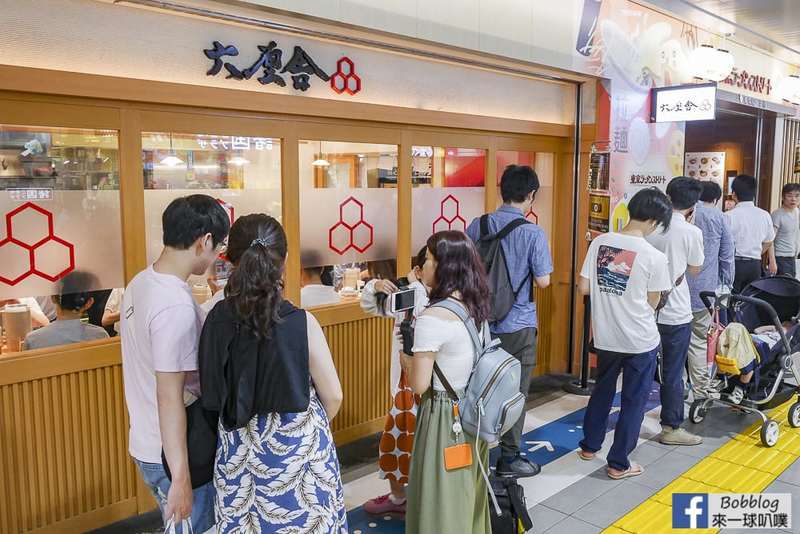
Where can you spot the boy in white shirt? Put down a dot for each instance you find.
(160, 330)
(625, 276)
(683, 245)
(752, 231)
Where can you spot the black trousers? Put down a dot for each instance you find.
(521, 345)
(747, 270)
(787, 266)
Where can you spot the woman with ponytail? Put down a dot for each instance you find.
(266, 368)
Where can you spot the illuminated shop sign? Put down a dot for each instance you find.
(684, 103)
(750, 82)
(270, 68)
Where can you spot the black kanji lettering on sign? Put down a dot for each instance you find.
(217, 53)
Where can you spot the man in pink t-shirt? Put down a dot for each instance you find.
(160, 329)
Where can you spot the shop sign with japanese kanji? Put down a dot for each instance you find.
(272, 67)
(684, 103)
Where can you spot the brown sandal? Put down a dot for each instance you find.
(586, 455)
(633, 471)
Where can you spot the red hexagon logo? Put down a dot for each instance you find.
(29, 225)
(345, 79)
(351, 230)
(53, 259)
(449, 216)
(15, 262)
(31, 247)
(532, 217)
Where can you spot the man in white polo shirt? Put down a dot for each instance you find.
(683, 245)
(160, 331)
(752, 232)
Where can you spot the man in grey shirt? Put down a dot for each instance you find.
(787, 230)
(717, 270)
(73, 300)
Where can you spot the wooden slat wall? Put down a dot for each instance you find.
(361, 353)
(791, 138)
(64, 450)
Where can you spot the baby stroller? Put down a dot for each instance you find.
(772, 301)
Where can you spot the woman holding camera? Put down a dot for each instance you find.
(398, 434)
(446, 491)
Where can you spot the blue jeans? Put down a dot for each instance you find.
(637, 381)
(674, 352)
(202, 504)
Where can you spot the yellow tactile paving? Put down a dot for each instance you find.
(742, 465)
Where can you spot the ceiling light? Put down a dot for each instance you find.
(172, 160)
(320, 161)
(711, 63)
(789, 89)
(238, 161)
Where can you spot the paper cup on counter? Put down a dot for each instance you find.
(351, 277)
(16, 325)
(201, 293)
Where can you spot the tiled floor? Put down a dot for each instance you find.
(570, 496)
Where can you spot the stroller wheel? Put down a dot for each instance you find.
(697, 411)
(794, 415)
(770, 431)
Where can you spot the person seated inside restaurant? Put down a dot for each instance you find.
(313, 291)
(72, 303)
(111, 311)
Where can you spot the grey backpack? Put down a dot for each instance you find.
(492, 402)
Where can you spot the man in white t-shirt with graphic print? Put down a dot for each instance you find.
(625, 276)
(160, 330)
(683, 245)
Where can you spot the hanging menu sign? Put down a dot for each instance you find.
(684, 103)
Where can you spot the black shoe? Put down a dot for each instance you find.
(518, 467)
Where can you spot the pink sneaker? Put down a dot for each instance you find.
(384, 505)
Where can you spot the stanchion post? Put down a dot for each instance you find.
(582, 386)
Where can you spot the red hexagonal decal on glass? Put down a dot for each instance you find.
(53, 259)
(15, 262)
(29, 225)
(32, 248)
(351, 231)
(345, 79)
(449, 216)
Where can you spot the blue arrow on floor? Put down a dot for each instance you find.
(545, 445)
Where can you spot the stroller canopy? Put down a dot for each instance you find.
(780, 292)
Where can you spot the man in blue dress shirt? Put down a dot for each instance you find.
(528, 259)
(717, 271)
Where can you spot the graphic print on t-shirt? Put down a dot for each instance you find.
(614, 269)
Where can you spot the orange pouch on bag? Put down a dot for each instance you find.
(457, 456)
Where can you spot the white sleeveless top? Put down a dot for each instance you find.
(451, 342)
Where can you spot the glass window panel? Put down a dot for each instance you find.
(448, 190)
(242, 173)
(59, 194)
(348, 214)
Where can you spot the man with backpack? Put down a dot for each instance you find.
(516, 255)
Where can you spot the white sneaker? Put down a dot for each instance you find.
(736, 396)
(678, 436)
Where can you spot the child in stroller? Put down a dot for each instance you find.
(765, 319)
